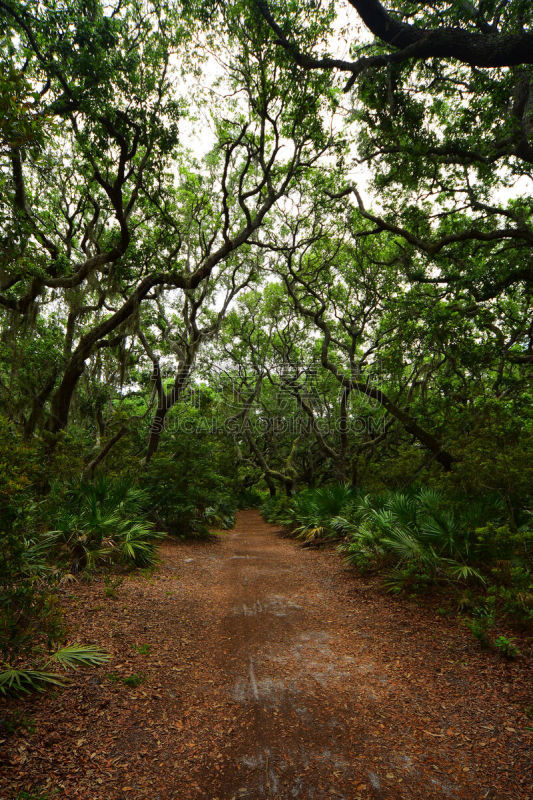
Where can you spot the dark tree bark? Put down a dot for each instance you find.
(166, 401)
(409, 423)
(89, 342)
(88, 472)
(37, 407)
(487, 49)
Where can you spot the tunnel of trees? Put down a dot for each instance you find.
(272, 253)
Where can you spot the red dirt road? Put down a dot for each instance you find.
(273, 673)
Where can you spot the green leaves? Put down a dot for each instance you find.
(78, 655)
(136, 542)
(312, 513)
(413, 531)
(105, 522)
(15, 680)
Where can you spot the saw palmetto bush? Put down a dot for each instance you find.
(308, 514)
(93, 525)
(415, 536)
(185, 507)
(103, 522)
(419, 538)
(31, 629)
(29, 613)
(30, 618)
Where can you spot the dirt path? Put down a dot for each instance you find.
(273, 673)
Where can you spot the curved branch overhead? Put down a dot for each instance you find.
(487, 49)
(196, 299)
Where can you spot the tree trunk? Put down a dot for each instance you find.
(156, 429)
(37, 408)
(88, 472)
(63, 397)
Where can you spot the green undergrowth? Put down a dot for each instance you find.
(56, 533)
(420, 542)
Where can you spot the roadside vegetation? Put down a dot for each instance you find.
(422, 542)
(192, 324)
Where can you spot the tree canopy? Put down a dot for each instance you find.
(259, 248)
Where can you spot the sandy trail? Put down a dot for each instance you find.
(273, 673)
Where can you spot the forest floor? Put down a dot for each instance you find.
(253, 668)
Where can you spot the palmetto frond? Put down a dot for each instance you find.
(135, 542)
(19, 680)
(343, 526)
(463, 572)
(310, 533)
(404, 544)
(79, 655)
(15, 681)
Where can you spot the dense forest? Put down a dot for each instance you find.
(271, 255)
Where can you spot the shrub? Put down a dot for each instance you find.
(183, 507)
(507, 647)
(414, 535)
(30, 617)
(102, 522)
(31, 628)
(418, 538)
(275, 508)
(482, 621)
(248, 498)
(309, 513)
